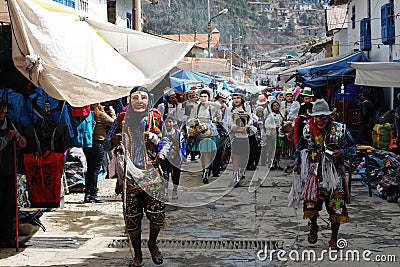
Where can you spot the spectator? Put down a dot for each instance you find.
(95, 154)
(366, 118)
(9, 133)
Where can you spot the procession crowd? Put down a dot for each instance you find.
(151, 142)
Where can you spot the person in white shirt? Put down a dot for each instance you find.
(274, 123)
(207, 139)
(170, 105)
(238, 120)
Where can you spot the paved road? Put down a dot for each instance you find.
(227, 232)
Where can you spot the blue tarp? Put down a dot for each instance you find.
(183, 80)
(337, 65)
(344, 76)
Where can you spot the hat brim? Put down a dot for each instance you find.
(307, 95)
(239, 94)
(261, 103)
(322, 113)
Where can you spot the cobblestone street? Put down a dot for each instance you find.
(228, 232)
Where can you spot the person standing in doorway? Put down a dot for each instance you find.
(366, 118)
(9, 132)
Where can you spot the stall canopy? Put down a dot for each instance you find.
(338, 64)
(343, 76)
(380, 74)
(183, 80)
(330, 63)
(84, 61)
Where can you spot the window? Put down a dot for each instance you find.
(387, 24)
(365, 34)
(129, 20)
(84, 5)
(353, 17)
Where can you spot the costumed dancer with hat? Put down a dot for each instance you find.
(206, 138)
(238, 119)
(289, 107)
(320, 154)
(307, 95)
(144, 144)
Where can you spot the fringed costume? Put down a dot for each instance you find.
(322, 178)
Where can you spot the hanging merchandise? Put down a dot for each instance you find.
(81, 111)
(44, 172)
(83, 127)
(16, 109)
(40, 105)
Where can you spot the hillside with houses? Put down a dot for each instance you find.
(251, 27)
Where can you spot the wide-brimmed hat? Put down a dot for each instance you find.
(274, 101)
(262, 100)
(289, 92)
(223, 94)
(321, 108)
(307, 92)
(205, 89)
(168, 92)
(240, 92)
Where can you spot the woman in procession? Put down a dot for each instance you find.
(238, 122)
(206, 139)
(273, 125)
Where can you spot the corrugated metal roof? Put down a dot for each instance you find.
(201, 39)
(336, 18)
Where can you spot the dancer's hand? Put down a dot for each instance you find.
(159, 157)
(117, 139)
(337, 154)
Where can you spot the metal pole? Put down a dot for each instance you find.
(137, 14)
(208, 38)
(208, 29)
(16, 194)
(231, 66)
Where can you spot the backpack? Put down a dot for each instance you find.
(382, 134)
(388, 117)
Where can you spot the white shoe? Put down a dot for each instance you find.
(236, 177)
(242, 172)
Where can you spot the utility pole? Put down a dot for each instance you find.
(137, 14)
(231, 65)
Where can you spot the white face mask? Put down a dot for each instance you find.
(139, 101)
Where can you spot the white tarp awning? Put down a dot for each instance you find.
(380, 74)
(84, 61)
